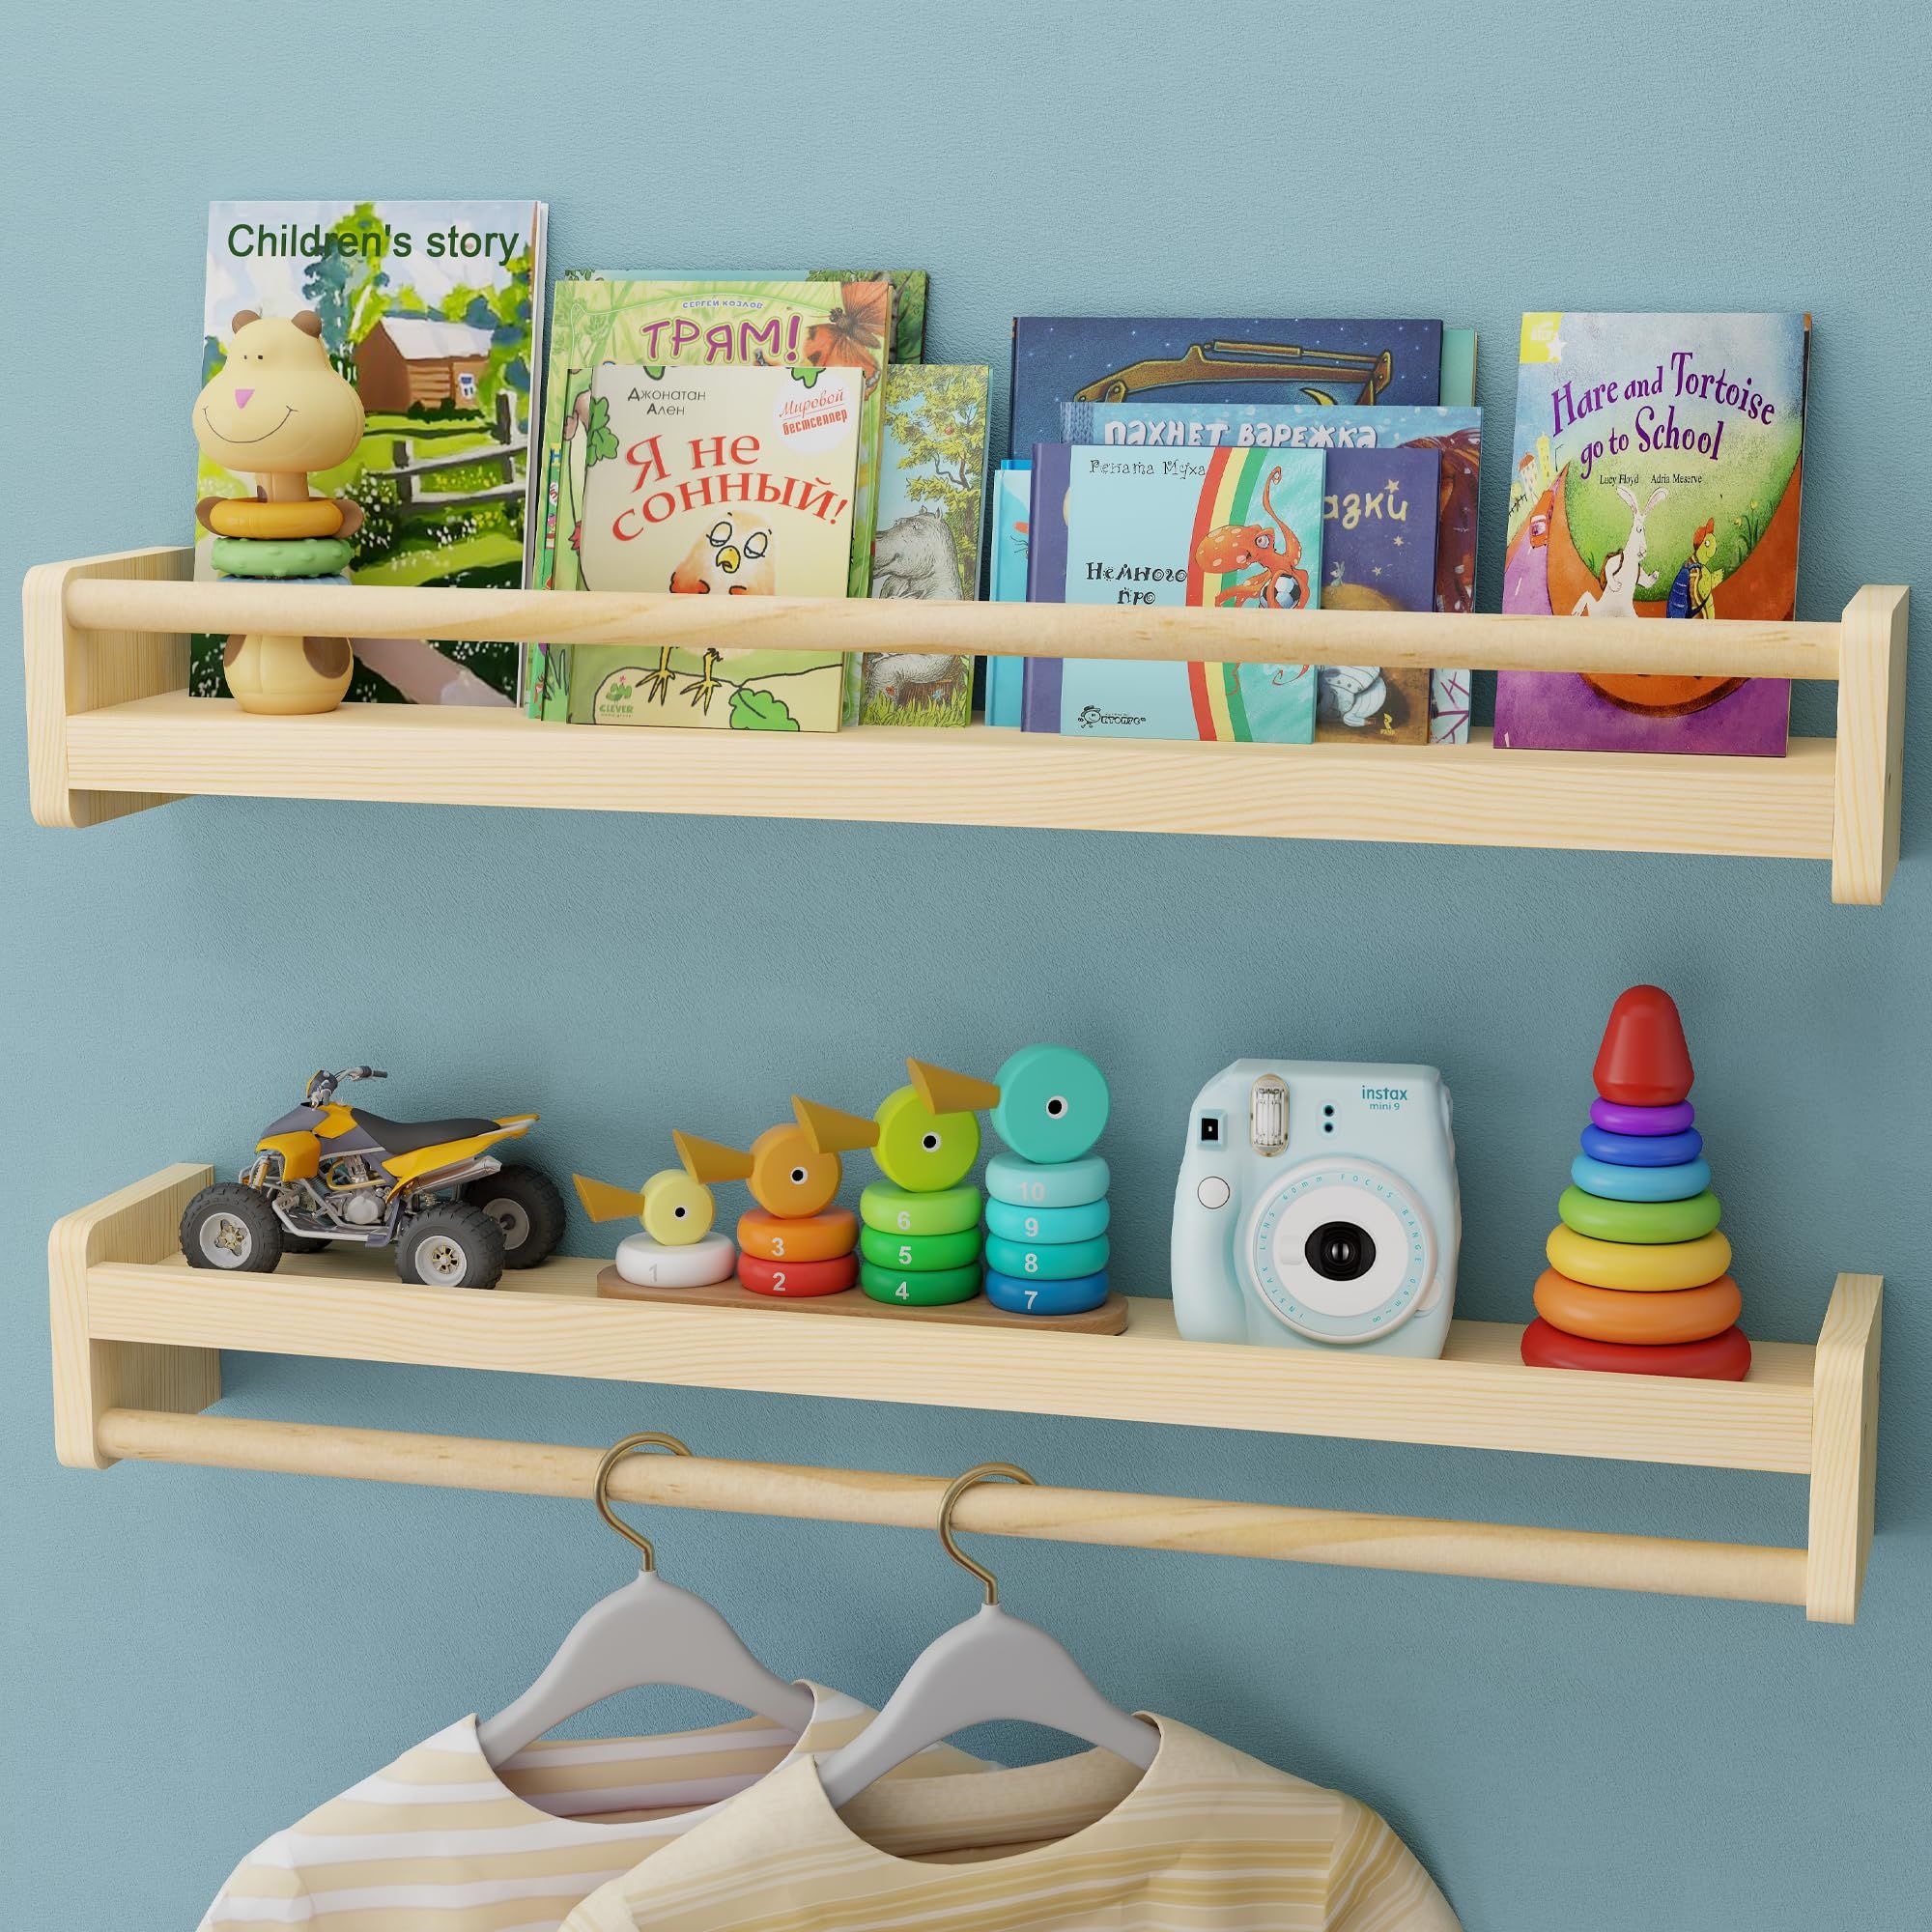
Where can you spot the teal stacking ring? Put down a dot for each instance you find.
(1047, 1224)
(1043, 1261)
(1641, 1183)
(1030, 1183)
(1021, 1297)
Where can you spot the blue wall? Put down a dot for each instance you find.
(193, 1658)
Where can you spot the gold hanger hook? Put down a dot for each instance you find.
(647, 1439)
(980, 1472)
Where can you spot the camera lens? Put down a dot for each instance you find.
(1340, 1251)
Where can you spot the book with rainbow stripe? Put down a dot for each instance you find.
(1229, 527)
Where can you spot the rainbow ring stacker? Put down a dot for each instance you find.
(1641, 1183)
(1642, 1149)
(1026, 1184)
(1047, 1224)
(1645, 1270)
(1644, 1222)
(1066, 1261)
(1616, 1119)
(1030, 1296)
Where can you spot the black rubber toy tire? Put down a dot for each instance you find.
(471, 1232)
(304, 1244)
(537, 1204)
(243, 1206)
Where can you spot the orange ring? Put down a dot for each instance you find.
(1617, 1315)
(251, 517)
(805, 1237)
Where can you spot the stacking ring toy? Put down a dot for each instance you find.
(251, 517)
(807, 1238)
(1641, 1221)
(1643, 1150)
(1724, 1358)
(1608, 1315)
(797, 1279)
(922, 1150)
(1654, 1269)
(1614, 1118)
(921, 1252)
(907, 1288)
(1047, 1224)
(1041, 1260)
(294, 556)
(1027, 1184)
(897, 1211)
(676, 1209)
(692, 1264)
(1641, 1183)
(1047, 1297)
(1053, 1103)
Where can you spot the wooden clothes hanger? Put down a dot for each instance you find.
(648, 1632)
(993, 1665)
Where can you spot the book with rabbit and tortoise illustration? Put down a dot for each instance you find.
(1659, 467)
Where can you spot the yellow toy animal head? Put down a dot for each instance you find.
(278, 408)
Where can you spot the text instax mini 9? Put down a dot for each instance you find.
(1318, 1207)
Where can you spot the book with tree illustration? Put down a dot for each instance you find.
(433, 309)
(660, 324)
(1659, 470)
(932, 487)
(729, 482)
(1224, 527)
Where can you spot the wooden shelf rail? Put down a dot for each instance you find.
(137, 1334)
(111, 729)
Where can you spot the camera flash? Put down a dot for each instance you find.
(1267, 1115)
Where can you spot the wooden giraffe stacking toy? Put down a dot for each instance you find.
(678, 1247)
(1637, 1282)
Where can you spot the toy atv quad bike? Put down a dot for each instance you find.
(456, 1216)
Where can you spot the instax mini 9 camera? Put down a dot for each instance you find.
(1318, 1205)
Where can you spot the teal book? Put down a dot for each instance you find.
(1226, 529)
(1007, 583)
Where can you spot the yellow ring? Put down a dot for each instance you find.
(250, 517)
(1653, 1267)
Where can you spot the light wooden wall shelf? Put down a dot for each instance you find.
(136, 1335)
(111, 729)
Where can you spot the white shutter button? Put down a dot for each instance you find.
(1213, 1192)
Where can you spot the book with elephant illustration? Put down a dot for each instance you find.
(1658, 469)
(1225, 527)
(737, 481)
(932, 488)
(434, 311)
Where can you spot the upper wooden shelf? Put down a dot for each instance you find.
(112, 730)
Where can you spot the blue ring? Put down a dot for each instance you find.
(1642, 1149)
(1641, 1183)
(1032, 1183)
(1047, 1224)
(1049, 1297)
(1063, 1260)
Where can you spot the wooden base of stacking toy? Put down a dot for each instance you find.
(1109, 1319)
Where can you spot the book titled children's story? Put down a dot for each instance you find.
(1228, 528)
(1659, 470)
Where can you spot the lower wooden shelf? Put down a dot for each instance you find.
(134, 1327)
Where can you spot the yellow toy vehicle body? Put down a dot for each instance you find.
(455, 1214)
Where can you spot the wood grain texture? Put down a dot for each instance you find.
(136, 1225)
(1844, 1449)
(1467, 795)
(1276, 1532)
(71, 670)
(1871, 745)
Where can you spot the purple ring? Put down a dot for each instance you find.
(1614, 1118)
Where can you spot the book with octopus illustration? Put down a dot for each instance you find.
(1233, 528)
(1659, 467)
(1454, 435)
(729, 482)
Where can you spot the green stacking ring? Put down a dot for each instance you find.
(921, 1252)
(1641, 1221)
(910, 1287)
(281, 556)
(1046, 1261)
(898, 1210)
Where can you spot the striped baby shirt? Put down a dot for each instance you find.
(440, 1841)
(1206, 1840)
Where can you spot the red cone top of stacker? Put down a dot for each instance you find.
(1644, 1059)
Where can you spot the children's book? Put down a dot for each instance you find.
(1214, 360)
(434, 310)
(1007, 583)
(656, 514)
(1658, 469)
(1225, 527)
(909, 288)
(932, 487)
(1455, 434)
(660, 324)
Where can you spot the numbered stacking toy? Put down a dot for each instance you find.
(678, 1247)
(920, 1247)
(278, 409)
(1638, 1280)
(1046, 1218)
(793, 1241)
